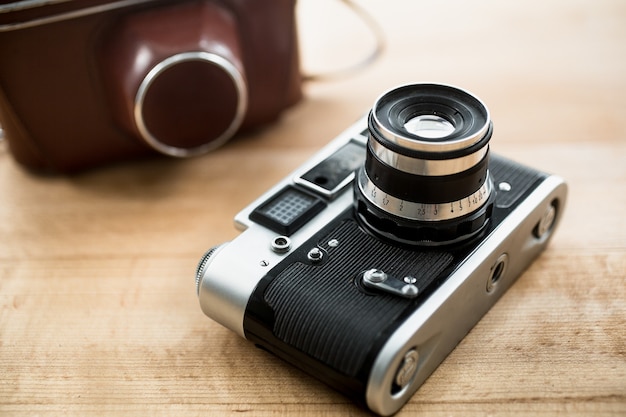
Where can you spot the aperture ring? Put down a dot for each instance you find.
(423, 211)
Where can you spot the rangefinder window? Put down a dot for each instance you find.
(335, 172)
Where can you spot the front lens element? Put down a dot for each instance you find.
(426, 176)
(429, 126)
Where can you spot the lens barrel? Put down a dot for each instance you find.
(426, 178)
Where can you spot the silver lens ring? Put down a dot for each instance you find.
(242, 103)
(388, 104)
(429, 167)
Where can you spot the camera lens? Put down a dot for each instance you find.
(426, 178)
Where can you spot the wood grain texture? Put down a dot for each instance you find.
(98, 314)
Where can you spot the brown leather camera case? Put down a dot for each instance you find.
(84, 83)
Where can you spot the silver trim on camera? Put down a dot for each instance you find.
(210, 58)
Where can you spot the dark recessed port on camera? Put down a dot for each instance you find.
(497, 271)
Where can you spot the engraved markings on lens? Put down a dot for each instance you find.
(424, 211)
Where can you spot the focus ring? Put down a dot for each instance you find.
(425, 233)
(422, 211)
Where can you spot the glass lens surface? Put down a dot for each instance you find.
(429, 126)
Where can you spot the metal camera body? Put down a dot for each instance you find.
(83, 83)
(373, 307)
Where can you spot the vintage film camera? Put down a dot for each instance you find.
(370, 263)
(83, 83)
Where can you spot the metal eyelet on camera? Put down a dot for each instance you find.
(281, 244)
(315, 255)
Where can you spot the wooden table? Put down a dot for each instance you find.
(98, 313)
